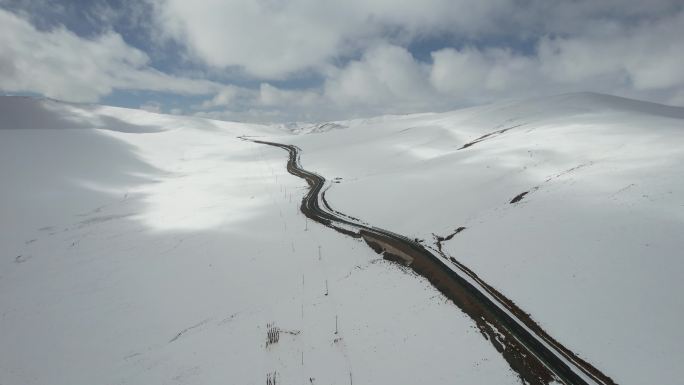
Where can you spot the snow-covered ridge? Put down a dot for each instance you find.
(21, 112)
(310, 128)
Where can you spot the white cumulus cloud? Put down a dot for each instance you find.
(59, 64)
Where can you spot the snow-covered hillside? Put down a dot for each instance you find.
(139, 248)
(592, 247)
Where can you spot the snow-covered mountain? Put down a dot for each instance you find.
(139, 248)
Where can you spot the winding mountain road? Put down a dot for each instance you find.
(531, 352)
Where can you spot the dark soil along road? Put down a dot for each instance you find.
(531, 352)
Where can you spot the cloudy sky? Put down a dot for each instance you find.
(285, 60)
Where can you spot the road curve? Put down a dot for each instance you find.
(532, 353)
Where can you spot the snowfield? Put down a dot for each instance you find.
(594, 249)
(139, 248)
(148, 249)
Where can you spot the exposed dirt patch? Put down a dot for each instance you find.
(519, 197)
(568, 171)
(388, 252)
(439, 240)
(182, 332)
(488, 136)
(523, 194)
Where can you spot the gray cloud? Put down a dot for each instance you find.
(362, 51)
(625, 47)
(271, 39)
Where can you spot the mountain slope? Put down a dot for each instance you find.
(146, 248)
(139, 248)
(572, 207)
